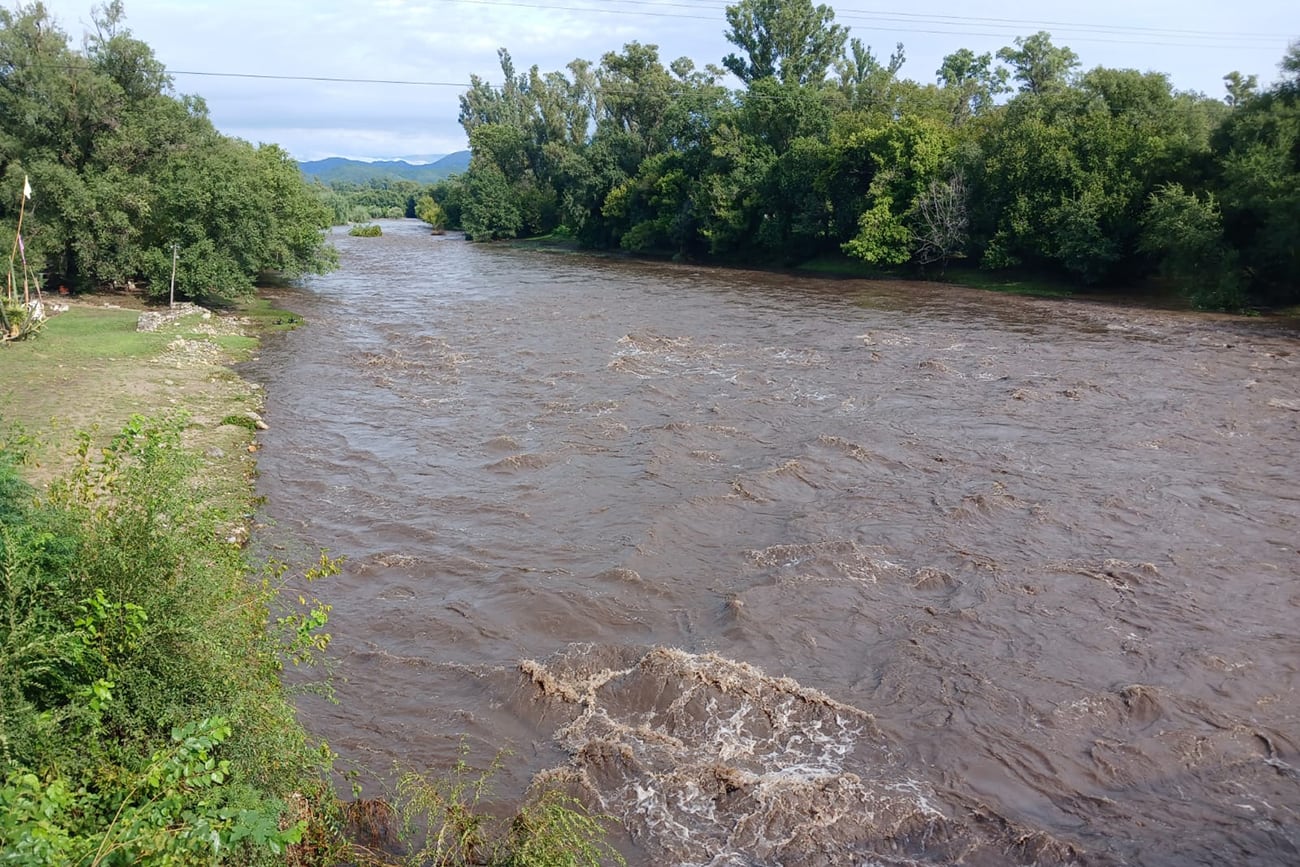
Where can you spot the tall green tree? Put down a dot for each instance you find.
(790, 40)
(636, 97)
(972, 82)
(907, 158)
(1038, 65)
(1103, 176)
(118, 164)
(1240, 87)
(1062, 177)
(1184, 232)
(1257, 154)
(867, 84)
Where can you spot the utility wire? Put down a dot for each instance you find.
(325, 78)
(993, 27)
(604, 88)
(980, 20)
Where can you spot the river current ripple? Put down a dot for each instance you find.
(782, 570)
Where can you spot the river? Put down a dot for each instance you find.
(786, 570)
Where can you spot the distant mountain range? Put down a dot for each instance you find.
(338, 169)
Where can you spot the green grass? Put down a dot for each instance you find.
(240, 421)
(90, 333)
(1010, 283)
(831, 265)
(238, 345)
(266, 318)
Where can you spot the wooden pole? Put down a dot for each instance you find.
(22, 210)
(171, 298)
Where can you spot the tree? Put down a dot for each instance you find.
(729, 199)
(1185, 233)
(509, 105)
(777, 114)
(449, 193)
(865, 81)
(942, 221)
(491, 209)
(973, 82)
(796, 204)
(128, 62)
(124, 169)
(1290, 66)
(1257, 157)
(431, 212)
(1039, 65)
(636, 95)
(1062, 178)
(235, 212)
(907, 156)
(1240, 87)
(790, 40)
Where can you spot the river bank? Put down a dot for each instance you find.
(1151, 293)
(92, 367)
(142, 717)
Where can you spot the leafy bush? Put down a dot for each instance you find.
(1186, 232)
(430, 212)
(367, 231)
(141, 718)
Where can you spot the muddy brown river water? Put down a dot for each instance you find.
(782, 570)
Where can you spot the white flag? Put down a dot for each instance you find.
(27, 188)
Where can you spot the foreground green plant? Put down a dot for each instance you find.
(173, 812)
(141, 716)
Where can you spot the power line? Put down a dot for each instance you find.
(324, 78)
(267, 76)
(980, 20)
(990, 26)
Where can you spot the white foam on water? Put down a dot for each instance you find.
(710, 761)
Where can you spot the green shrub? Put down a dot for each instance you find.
(1186, 232)
(367, 231)
(141, 716)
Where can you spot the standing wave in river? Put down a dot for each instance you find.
(723, 765)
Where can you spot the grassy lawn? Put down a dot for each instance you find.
(90, 369)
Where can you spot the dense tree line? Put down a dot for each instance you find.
(387, 198)
(1019, 160)
(122, 168)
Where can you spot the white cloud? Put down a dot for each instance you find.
(448, 40)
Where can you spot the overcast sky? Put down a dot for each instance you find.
(444, 41)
